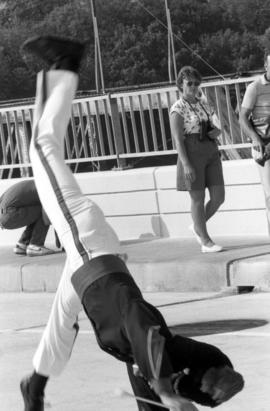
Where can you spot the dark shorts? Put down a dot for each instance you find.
(204, 157)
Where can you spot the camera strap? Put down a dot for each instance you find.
(208, 117)
(196, 112)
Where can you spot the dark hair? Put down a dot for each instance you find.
(187, 72)
(189, 386)
(223, 378)
(198, 357)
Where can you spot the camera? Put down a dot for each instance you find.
(205, 128)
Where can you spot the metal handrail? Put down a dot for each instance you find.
(122, 125)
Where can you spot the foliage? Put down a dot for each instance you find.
(229, 52)
(224, 36)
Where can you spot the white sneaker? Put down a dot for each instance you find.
(20, 249)
(211, 249)
(37, 250)
(192, 229)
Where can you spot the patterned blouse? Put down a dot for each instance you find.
(192, 114)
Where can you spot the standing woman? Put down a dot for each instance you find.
(199, 165)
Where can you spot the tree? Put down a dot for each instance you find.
(228, 35)
(32, 11)
(137, 57)
(252, 15)
(229, 52)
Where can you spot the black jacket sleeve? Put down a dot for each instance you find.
(147, 333)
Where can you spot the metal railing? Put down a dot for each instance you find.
(117, 126)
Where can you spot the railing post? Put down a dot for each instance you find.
(23, 149)
(117, 132)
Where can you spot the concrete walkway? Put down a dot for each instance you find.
(203, 304)
(168, 264)
(237, 324)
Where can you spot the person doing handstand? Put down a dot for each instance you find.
(174, 369)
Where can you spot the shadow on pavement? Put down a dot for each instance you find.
(215, 327)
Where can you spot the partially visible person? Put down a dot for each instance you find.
(96, 277)
(199, 165)
(20, 207)
(255, 122)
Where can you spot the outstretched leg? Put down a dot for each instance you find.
(79, 222)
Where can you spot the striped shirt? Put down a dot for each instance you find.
(257, 98)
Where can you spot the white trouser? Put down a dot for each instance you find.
(80, 223)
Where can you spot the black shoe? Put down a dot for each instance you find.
(59, 53)
(30, 403)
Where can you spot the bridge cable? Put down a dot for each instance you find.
(178, 38)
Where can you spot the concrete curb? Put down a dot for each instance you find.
(251, 271)
(171, 265)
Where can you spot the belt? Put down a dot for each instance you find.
(96, 268)
(192, 135)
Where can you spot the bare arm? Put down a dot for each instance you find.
(177, 129)
(247, 126)
(216, 130)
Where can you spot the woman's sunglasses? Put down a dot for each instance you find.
(193, 83)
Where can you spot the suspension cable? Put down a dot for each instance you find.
(178, 38)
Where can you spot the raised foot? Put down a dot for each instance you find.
(61, 53)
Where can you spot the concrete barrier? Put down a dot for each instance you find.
(143, 203)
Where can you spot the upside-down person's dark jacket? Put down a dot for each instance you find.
(134, 331)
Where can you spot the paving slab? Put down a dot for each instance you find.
(167, 264)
